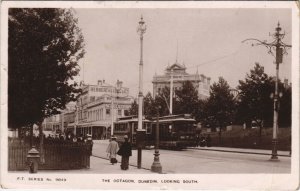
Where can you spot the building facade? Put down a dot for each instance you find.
(179, 75)
(98, 107)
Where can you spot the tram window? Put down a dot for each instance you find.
(148, 128)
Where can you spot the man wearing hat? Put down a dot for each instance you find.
(125, 152)
(112, 149)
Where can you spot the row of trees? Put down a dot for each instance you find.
(254, 102)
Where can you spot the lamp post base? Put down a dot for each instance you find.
(156, 166)
(274, 156)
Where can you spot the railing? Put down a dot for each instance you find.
(58, 156)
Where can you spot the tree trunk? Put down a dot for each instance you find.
(31, 136)
(220, 135)
(41, 136)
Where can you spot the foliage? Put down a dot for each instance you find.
(255, 103)
(44, 47)
(285, 106)
(187, 100)
(220, 105)
(162, 101)
(133, 110)
(149, 106)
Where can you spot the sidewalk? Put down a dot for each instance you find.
(229, 149)
(97, 166)
(243, 150)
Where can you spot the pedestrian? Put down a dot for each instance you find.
(202, 141)
(197, 140)
(208, 141)
(112, 149)
(125, 151)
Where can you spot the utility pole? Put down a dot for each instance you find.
(140, 131)
(112, 112)
(171, 92)
(280, 48)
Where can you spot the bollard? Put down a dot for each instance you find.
(33, 159)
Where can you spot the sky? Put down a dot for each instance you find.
(209, 40)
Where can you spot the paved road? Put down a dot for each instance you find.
(203, 161)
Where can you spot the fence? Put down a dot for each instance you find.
(60, 156)
(264, 142)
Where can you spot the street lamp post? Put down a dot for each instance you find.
(112, 113)
(171, 92)
(280, 49)
(114, 91)
(140, 132)
(156, 166)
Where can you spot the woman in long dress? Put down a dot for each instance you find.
(112, 150)
(125, 151)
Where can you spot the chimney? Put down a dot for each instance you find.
(99, 82)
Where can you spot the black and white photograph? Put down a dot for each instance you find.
(150, 95)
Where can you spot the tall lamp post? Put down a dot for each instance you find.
(140, 131)
(112, 113)
(156, 166)
(280, 49)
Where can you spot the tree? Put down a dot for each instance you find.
(162, 99)
(133, 110)
(255, 103)
(285, 106)
(186, 99)
(148, 107)
(44, 47)
(220, 105)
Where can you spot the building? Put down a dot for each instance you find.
(98, 107)
(178, 71)
(51, 125)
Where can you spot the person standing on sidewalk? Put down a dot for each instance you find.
(208, 141)
(112, 149)
(125, 151)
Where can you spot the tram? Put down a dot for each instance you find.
(175, 131)
(128, 126)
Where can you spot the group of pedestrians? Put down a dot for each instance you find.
(203, 141)
(125, 151)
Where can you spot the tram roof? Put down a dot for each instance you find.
(130, 120)
(176, 119)
(179, 116)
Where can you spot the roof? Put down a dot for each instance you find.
(175, 66)
(131, 120)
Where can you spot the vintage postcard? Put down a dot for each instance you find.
(150, 95)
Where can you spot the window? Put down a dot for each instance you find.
(126, 112)
(148, 128)
(92, 98)
(107, 111)
(119, 112)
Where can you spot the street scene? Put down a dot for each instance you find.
(149, 91)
